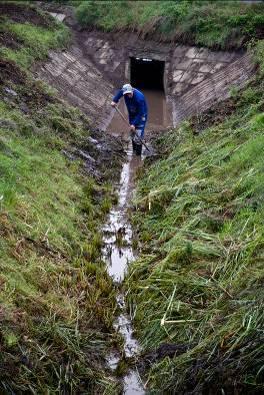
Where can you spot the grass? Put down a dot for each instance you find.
(222, 25)
(56, 299)
(57, 302)
(37, 41)
(199, 280)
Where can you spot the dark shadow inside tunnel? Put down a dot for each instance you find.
(147, 73)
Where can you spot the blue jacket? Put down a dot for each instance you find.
(136, 106)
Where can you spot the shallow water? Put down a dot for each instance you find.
(118, 250)
(118, 253)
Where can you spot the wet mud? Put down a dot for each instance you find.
(118, 250)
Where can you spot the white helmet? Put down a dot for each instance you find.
(127, 88)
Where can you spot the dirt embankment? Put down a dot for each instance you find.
(55, 193)
(19, 13)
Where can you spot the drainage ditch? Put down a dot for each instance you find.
(118, 251)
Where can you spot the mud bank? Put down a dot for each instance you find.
(55, 192)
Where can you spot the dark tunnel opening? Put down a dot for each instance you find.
(147, 73)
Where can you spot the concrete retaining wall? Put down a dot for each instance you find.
(98, 63)
(80, 83)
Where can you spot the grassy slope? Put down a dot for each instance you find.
(216, 24)
(199, 281)
(56, 302)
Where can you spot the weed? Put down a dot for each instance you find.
(57, 301)
(36, 42)
(212, 24)
(199, 210)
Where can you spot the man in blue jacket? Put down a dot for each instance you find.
(137, 113)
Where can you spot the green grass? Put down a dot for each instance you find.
(37, 41)
(57, 302)
(215, 24)
(199, 279)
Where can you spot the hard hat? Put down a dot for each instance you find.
(127, 88)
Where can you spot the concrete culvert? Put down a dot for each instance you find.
(147, 73)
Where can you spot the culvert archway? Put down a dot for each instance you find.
(147, 73)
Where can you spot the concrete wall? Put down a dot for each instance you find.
(192, 65)
(80, 83)
(216, 87)
(185, 66)
(98, 63)
(194, 77)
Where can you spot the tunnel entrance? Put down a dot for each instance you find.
(147, 73)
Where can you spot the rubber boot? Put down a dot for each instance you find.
(134, 145)
(138, 149)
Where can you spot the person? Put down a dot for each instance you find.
(137, 113)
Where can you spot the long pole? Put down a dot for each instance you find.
(124, 119)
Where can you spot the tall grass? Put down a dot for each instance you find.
(214, 24)
(37, 41)
(56, 299)
(198, 282)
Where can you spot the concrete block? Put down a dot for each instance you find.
(202, 53)
(217, 67)
(225, 56)
(115, 65)
(184, 64)
(179, 87)
(191, 53)
(106, 45)
(194, 66)
(187, 77)
(205, 68)
(198, 61)
(220, 56)
(198, 78)
(176, 76)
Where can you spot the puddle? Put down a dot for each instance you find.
(118, 253)
(117, 232)
(118, 250)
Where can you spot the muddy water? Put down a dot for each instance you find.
(118, 235)
(118, 253)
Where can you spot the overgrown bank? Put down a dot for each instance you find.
(57, 301)
(197, 288)
(214, 24)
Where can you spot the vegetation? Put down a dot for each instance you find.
(30, 42)
(197, 287)
(57, 301)
(215, 24)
